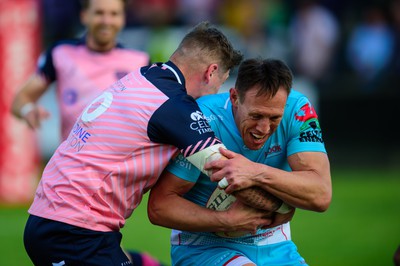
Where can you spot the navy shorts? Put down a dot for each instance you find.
(54, 243)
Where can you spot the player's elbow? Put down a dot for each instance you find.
(323, 201)
(322, 205)
(154, 212)
(153, 218)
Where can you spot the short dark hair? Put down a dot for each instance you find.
(268, 74)
(211, 43)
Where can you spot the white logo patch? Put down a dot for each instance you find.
(196, 116)
(200, 125)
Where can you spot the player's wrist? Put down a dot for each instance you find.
(26, 109)
(209, 154)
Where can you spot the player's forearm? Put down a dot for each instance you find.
(301, 189)
(17, 105)
(188, 216)
(28, 95)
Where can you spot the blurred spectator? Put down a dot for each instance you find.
(191, 12)
(314, 35)
(370, 47)
(152, 13)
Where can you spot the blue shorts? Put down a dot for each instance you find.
(50, 242)
(279, 254)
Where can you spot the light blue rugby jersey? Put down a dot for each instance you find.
(299, 131)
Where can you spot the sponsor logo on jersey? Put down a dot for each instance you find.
(78, 137)
(182, 162)
(310, 131)
(200, 123)
(306, 112)
(212, 118)
(274, 149)
(120, 74)
(197, 116)
(70, 96)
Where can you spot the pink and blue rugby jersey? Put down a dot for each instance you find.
(118, 147)
(82, 74)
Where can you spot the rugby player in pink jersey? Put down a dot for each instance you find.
(81, 68)
(118, 147)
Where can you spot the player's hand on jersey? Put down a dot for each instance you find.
(34, 117)
(238, 171)
(279, 218)
(241, 217)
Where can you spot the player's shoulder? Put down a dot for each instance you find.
(68, 42)
(46, 57)
(213, 100)
(298, 109)
(60, 44)
(296, 100)
(295, 96)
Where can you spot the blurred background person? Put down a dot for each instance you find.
(190, 12)
(313, 35)
(370, 47)
(81, 68)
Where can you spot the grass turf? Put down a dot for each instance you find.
(361, 227)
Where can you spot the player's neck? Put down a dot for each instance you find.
(100, 48)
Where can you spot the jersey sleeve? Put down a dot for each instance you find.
(183, 169)
(45, 66)
(180, 122)
(304, 130)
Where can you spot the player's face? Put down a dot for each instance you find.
(104, 19)
(257, 117)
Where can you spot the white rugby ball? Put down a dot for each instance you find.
(220, 201)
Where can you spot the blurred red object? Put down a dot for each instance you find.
(20, 39)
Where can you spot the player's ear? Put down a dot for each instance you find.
(211, 71)
(234, 97)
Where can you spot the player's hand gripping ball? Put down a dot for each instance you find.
(220, 201)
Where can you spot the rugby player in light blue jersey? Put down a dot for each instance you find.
(274, 144)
